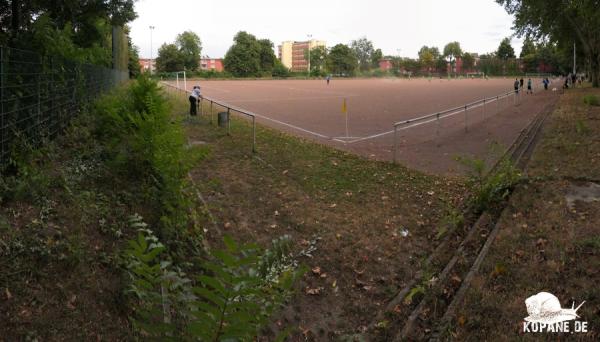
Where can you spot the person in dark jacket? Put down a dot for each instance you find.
(194, 97)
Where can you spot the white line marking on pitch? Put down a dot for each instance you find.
(292, 126)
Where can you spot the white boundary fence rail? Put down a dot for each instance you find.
(397, 127)
(225, 105)
(436, 117)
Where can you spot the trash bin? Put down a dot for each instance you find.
(223, 118)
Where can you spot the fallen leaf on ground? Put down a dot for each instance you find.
(314, 291)
(316, 270)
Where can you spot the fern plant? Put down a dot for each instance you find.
(240, 290)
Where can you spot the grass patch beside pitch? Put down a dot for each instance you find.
(546, 242)
(363, 227)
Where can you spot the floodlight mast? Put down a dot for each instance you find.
(151, 29)
(309, 38)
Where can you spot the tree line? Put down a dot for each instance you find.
(560, 26)
(250, 56)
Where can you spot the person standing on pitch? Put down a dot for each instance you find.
(516, 86)
(529, 88)
(194, 97)
(546, 82)
(521, 82)
(328, 78)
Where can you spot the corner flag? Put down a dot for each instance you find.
(344, 107)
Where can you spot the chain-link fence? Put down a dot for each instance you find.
(39, 95)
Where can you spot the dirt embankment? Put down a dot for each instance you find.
(549, 235)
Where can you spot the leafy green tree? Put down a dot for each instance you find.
(87, 19)
(562, 21)
(318, 57)
(441, 64)
(342, 60)
(376, 57)
(505, 50)
(528, 47)
(267, 56)
(133, 64)
(410, 65)
(363, 50)
(468, 61)
(190, 48)
(280, 70)
(169, 59)
(243, 57)
(452, 50)
(426, 57)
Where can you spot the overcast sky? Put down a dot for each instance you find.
(396, 27)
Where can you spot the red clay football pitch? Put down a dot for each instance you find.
(313, 109)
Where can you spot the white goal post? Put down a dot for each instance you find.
(177, 73)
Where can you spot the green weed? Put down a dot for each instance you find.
(591, 100)
(489, 189)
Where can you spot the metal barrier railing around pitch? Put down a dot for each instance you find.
(436, 117)
(213, 103)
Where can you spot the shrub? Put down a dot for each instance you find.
(242, 287)
(489, 189)
(145, 145)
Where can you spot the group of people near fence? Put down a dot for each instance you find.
(572, 79)
(520, 83)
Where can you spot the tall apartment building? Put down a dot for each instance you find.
(291, 54)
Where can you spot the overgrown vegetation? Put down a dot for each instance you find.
(70, 209)
(591, 100)
(489, 187)
(232, 300)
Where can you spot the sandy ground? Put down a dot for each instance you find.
(313, 109)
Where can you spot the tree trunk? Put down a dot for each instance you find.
(15, 22)
(595, 69)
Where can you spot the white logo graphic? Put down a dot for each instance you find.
(546, 314)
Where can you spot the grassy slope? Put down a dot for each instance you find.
(59, 241)
(62, 232)
(354, 211)
(543, 245)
